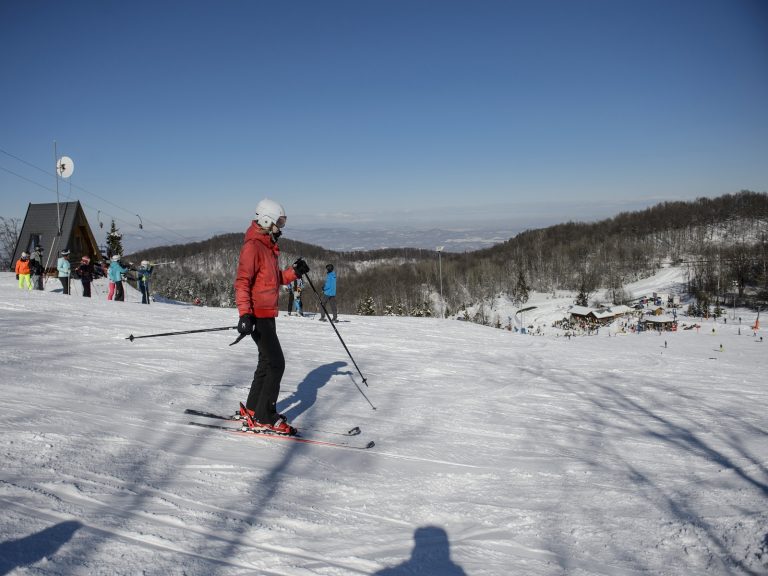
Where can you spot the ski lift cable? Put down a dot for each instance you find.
(126, 223)
(44, 171)
(88, 206)
(43, 186)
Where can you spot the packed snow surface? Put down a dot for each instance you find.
(496, 453)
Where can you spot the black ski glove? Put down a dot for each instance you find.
(300, 267)
(17, 276)
(246, 324)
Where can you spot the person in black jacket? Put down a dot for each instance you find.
(85, 272)
(36, 267)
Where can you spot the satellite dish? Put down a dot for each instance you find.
(65, 166)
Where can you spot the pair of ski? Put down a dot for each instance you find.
(303, 435)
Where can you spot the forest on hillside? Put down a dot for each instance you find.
(721, 241)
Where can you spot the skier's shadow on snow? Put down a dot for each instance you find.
(431, 555)
(306, 393)
(30, 549)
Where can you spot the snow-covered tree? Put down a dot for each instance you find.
(582, 298)
(9, 235)
(366, 307)
(114, 241)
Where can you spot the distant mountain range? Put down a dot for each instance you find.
(346, 239)
(453, 240)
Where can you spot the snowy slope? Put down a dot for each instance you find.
(496, 453)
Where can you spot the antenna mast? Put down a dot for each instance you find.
(58, 212)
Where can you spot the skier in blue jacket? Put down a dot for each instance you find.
(329, 294)
(115, 275)
(143, 274)
(64, 268)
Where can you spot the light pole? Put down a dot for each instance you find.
(735, 285)
(440, 268)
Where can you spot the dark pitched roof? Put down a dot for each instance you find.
(56, 228)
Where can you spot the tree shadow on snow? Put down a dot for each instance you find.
(431, 555)
(306, 393)
(33, 548)
(621, 411)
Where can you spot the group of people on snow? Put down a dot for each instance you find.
(117, 273)
(30, 272)
(328, 298)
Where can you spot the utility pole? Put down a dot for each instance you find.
(440, 268)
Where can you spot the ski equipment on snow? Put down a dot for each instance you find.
(296, 438)
(236, 418)
(132, 337)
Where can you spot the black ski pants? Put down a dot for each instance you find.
(265, 388)
(144, 288)
(119, 292)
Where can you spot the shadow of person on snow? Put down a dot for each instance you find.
(31, 549)
(306, 392)
(431, 555)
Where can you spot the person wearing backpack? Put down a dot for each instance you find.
(36, 267)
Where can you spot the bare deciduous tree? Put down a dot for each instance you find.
(9, 235)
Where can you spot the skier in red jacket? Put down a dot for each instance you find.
(257, 290)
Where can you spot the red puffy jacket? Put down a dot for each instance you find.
(258, 280)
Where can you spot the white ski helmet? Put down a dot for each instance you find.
(269, 213)
(145, 263)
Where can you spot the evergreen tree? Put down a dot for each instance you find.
(114, 241)
(522, 291)
(582, 298)
(366, 307)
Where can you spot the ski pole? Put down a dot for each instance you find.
(132, 337)
(333, 324)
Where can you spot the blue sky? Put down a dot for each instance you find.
(364, 111)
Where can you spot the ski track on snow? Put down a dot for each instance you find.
(537, 455)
